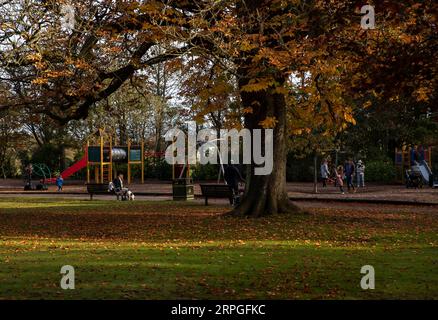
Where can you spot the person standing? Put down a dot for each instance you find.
(60, 183)
(349, 170)
(325, 173)
(421, 154)
(414, 155)
(360, 171)
(232, 177)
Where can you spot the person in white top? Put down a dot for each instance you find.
(325, 173)
(360, 171)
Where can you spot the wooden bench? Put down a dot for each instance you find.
(217, 191)
(97, 188)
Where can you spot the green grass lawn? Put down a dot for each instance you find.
(168, 250)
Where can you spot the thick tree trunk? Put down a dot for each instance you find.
(266, 195)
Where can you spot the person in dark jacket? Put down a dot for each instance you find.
(232, 177)
(414, 155)
(349, 170)
(421, 154)
(119, 188)
(118, 183)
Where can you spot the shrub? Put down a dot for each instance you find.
(380, 171)
(299, 169)
(157, 168)
(205, 172)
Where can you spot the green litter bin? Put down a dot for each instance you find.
(183, 190)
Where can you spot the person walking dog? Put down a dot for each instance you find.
(119, 188)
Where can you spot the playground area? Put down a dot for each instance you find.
(103, 160)
(414, 181)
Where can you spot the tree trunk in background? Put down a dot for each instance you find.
(158, 135)
(62, 158)
(123, 132)
(315, 174)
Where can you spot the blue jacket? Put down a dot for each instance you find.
(348, 169)
(59, 182)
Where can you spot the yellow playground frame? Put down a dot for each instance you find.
(103, 170)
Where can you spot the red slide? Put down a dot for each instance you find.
(71, 170)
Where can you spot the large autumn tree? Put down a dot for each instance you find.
(265, 44)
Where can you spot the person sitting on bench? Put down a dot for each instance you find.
(119, 189)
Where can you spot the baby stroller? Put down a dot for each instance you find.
(413, 179)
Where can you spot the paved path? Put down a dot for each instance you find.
(296, 191)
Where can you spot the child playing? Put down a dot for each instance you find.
(339, 172)
(59, 183)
